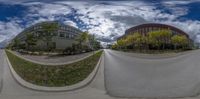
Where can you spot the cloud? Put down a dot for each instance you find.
(71, 23)
(178, 2)
(45, 9)
(2, 38)
(106, 19)
(9, 29)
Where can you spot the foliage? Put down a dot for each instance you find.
(114, 46)
(160, 39)
(87, 41)
(179, 40)
(83, 37)
(16, 43)
(48, 30)
(93, 43)
(30, 41)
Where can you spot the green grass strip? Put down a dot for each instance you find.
(54, 76)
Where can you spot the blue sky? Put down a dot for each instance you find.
(106, 19)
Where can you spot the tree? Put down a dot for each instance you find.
(48, 30)
(16, 43)
(155, 39)
(83, 38)
(160, 39)
(137, 37)
(30, 41)
(130, 39)
(93, 43)
(185, 42)
(114, 46)
(179, 40)
(144, 40)
(121, 43)
(135, 40)
(165, 37)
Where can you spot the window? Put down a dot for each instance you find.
(62, 34)
(67, 36)
(72, 36)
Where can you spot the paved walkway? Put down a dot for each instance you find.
(54, 60)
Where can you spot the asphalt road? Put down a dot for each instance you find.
(136, 75)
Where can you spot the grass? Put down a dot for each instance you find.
(54, 76)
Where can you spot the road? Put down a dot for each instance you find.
(123, 75)
(136, 75)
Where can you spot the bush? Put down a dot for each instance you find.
(68, 51)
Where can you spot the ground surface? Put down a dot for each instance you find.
(136, 75)
(117, 76)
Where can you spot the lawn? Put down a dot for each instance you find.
(54, 76)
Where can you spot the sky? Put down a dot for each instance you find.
(107, 20)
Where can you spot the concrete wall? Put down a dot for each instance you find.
(41, 45)
(62, 43)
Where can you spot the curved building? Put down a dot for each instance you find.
(64, 36)
(144, 29)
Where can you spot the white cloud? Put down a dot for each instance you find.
(2, 38)
(8, 30)
(107, 21)
(48, 10)
(71, 23)
(180, 2)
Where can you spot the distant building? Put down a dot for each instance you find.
(144, 29)
(63, 37)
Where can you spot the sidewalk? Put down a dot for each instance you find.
(54, 60)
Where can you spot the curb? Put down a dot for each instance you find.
(52, 64)
(79, 85)
(1, 78)
(155, 56)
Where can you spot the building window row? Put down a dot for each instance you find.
(68, 28)
(148, 29)
(66, 35)
(62, 35)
